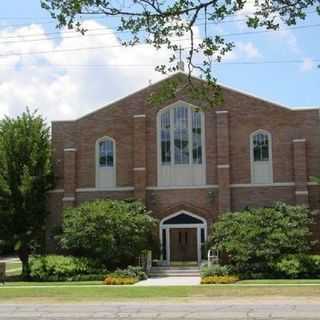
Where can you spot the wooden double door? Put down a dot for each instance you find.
(183, 244)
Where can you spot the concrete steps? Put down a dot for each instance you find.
(175, 271)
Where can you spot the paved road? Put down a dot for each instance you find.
(280, 310)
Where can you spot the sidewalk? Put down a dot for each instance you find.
(170, 281)
(9, 259)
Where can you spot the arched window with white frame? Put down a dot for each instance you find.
(181, 160)
(105, 163)
(261, 157)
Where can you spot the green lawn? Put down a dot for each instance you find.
(106, 293)
(281, 281)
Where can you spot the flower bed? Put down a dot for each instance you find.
(119, 280)
(219, 279)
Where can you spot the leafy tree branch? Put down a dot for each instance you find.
(163, 24)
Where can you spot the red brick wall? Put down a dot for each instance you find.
(134, 149)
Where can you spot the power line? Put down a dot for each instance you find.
(264, 62)
(104, 17)
(103, 28)
(112, 33)
(118, 46)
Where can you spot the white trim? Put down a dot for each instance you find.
(56, 191)
(270, 161)
(139, 169)
(68, 199)
(203, 138)
(114, 167)
(298, 140)
(139, 116)
(105, 189)
(299, 108)
(222, 112)
(180, 212)
(302, 192)
(223, 166)
(207, 186)
(254, 185)
(167, 228)
(70, 150)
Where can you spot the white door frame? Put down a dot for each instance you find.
(167, 228)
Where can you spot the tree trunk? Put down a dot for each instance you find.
(23, 255)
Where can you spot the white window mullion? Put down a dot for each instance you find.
(171, 137)
(190, 136)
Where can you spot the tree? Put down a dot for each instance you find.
(166, 23)
(25, 178)
(111, 231)
(256, 239)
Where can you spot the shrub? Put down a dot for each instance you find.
(113, 232)
(299, 266)
(119, 280)
(255, 239)
(219, 279)
(290, 267)
(56, 268)
(215, 270)
(131, 272)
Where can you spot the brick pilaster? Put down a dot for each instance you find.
(69, 177)
(223, 161)
(139, 157)
(300, 171)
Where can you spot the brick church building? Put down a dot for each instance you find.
(187, 165)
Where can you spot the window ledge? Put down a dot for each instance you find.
(207, 186)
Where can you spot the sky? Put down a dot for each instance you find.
(37, 71)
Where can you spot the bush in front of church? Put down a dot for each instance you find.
(253, 241)
(112, 232)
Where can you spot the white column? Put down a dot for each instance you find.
(199, 243)
(168, 245)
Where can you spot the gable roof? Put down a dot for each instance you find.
(195, 78)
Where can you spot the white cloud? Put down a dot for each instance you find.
(283, 35)
(243, 51)
(307, 65)
(56, 85)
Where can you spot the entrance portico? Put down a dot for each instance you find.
(182, 236)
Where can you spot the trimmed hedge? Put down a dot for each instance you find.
(62, 268)
(299, 266)
(131, 272)
(68, 268)
(215, 270)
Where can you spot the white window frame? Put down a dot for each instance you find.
(270, 161)
(97, 159)
(203, 144)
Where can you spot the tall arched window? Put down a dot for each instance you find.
(261, 157)
(181, 146)
(105, 163)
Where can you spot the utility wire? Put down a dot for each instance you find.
(111, 33)
(178, 40)
(116, 31)
(264, 62)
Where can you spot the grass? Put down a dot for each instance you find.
(281, 281)
(101, 293)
